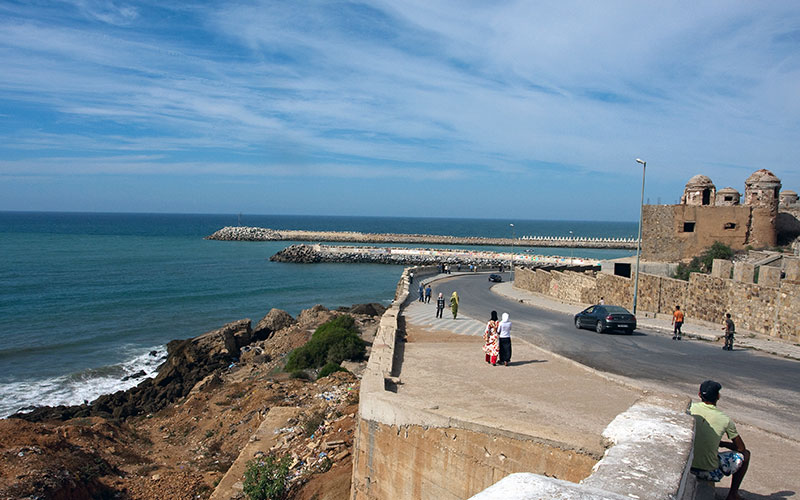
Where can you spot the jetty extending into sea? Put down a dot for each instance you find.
(244, 233)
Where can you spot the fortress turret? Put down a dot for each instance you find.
(762, 190)
(788, 198)
(699, 191)
(728, 197)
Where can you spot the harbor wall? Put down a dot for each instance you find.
(242, 233)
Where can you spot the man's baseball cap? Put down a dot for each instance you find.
(709, 390)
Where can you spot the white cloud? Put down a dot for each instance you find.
(295, 89)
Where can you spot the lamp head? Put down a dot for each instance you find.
(641, 161)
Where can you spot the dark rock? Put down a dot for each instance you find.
(371, 309)
(154, 353)
(276, 319)
(139, 374)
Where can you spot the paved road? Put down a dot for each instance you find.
(759, 389)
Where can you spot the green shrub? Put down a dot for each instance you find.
(704, 262)
(330, 368)
(333, 342)
(266, 478)
(300, 375)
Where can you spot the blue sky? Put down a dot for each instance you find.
(519, 110)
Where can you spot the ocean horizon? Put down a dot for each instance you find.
(85, 297)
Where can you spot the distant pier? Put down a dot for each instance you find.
(242, 233)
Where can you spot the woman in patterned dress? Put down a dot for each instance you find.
(490, 346)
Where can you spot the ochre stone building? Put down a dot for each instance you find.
(705, 215)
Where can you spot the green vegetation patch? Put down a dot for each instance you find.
(330, 368)
(703, 262)
(265, 478)
(333, 342)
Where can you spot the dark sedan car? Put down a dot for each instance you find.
(604, 318)
(495, 278)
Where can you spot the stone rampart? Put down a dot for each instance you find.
(404, 452)
(767, 310)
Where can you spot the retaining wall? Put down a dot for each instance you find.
(768, 310)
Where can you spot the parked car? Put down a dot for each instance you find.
(604, 318)
(495, 278)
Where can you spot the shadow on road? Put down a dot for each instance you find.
(528, 362)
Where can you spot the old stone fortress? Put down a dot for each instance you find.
(761, 290)
(766, 218)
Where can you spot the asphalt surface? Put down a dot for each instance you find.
(759, 389)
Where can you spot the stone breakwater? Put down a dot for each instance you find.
(242, 233)
(309, 254)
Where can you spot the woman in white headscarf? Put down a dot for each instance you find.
(504, 334)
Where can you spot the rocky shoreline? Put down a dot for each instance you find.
(175, 435)
(243, 233)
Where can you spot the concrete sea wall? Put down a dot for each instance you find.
(770, 307)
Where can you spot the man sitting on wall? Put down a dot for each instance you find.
(710, 424)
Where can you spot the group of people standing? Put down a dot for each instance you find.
(497, 340)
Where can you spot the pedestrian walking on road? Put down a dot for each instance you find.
(454, 304)
(677, 320)
(428, 292)
(504, 340)
(439, 305)
(602, 301)
(421, 293)
(710, 464)
(730, 330)
(411, 277)
(490, 344)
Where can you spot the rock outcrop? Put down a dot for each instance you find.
(276, 319)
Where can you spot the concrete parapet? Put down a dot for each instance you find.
(744, 272)
(722, 268)
(649, 459)
(793, 270)
(769, 276)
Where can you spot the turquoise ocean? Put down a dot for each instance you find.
(86, 297)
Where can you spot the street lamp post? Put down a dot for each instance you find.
(571, 247)
(513, 237)
(639, 239)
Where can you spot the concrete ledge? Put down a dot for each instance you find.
(649, 459)
(523, 486)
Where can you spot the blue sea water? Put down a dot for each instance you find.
(85, 297)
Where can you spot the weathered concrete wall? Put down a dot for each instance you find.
(450, 463)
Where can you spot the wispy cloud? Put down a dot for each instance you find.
(381, 90)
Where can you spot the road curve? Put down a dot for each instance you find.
(760, 389)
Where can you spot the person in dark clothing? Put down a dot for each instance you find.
(439, 305)
(504, 340)
(421, 293)
(428, 292)
(730, 330)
